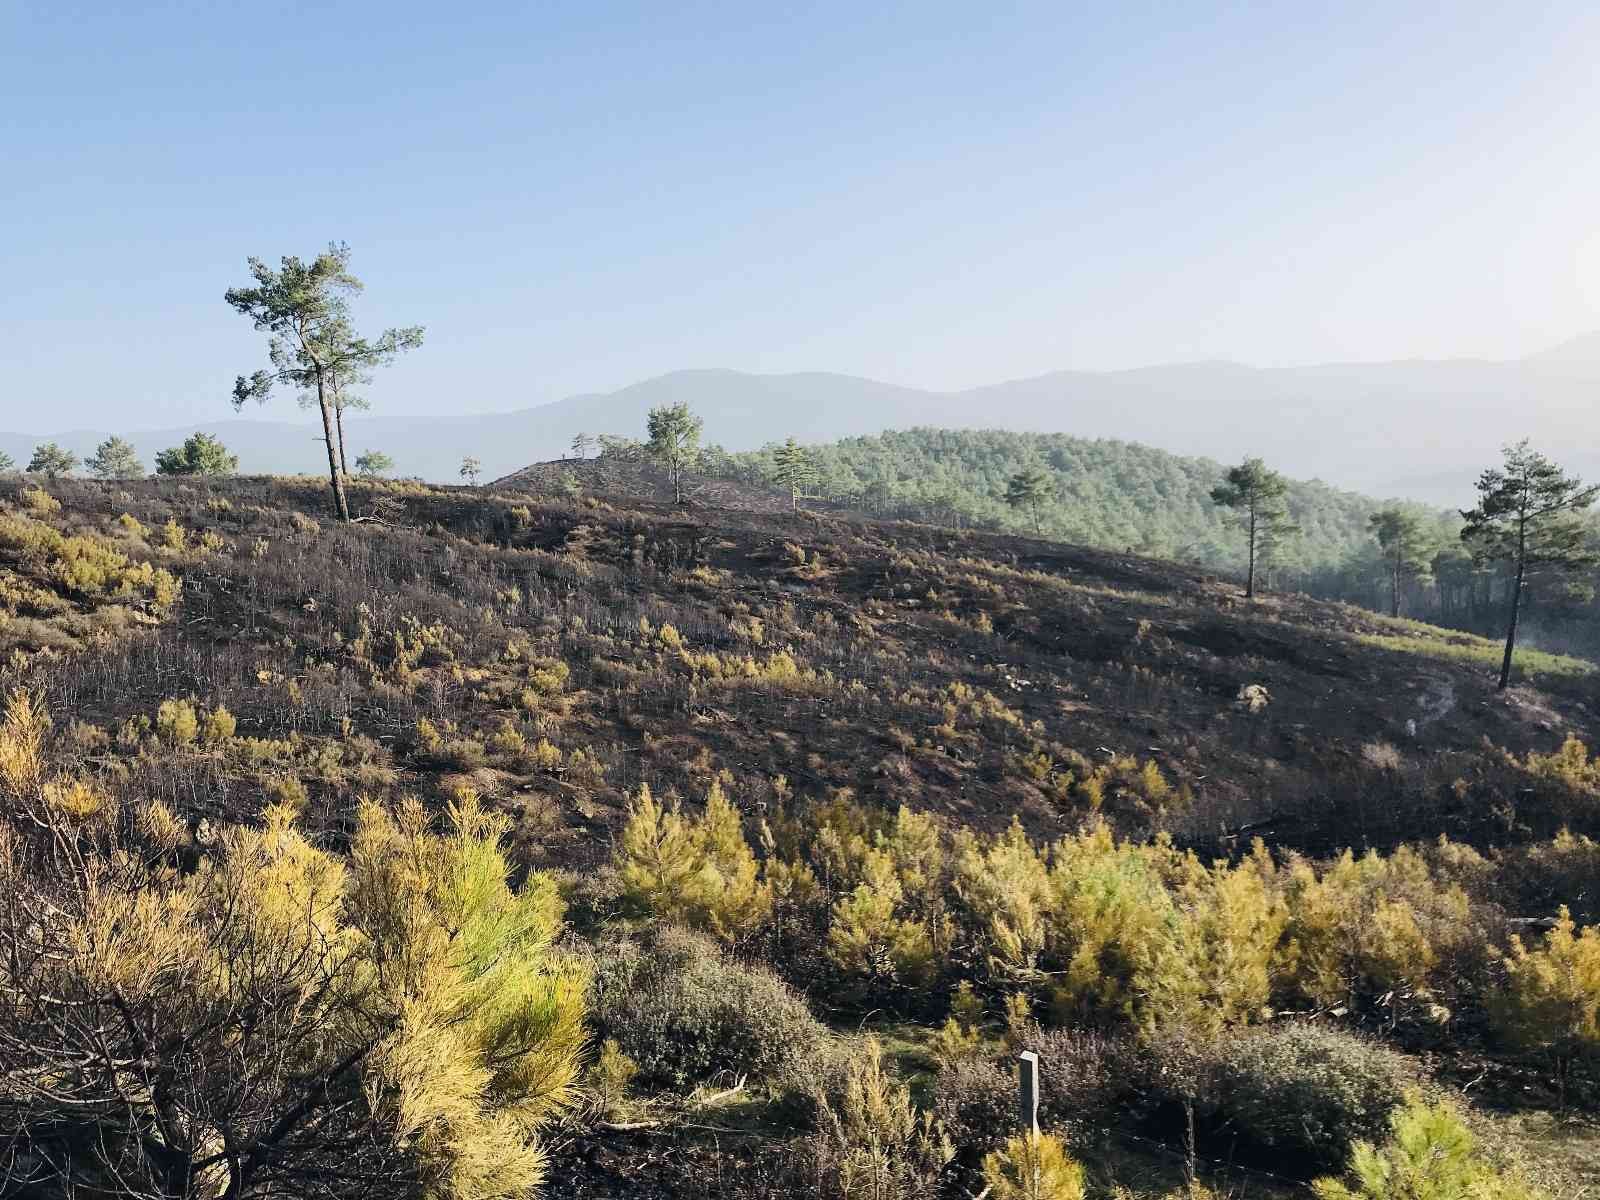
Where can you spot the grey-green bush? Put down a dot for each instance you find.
(976, 1101)
(1310, 1090)
(686, 1013)
(1085, 1078)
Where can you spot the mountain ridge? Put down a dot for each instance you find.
(1409, 426)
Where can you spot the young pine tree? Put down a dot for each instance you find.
(674, 432)
(115, 458)
(1030, 489)
(700, 873)
(1527, 518)
(284, 1021)
(1549, 1001)
(1430, 1155)
(1033, 1166)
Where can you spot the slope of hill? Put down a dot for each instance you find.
(829, 675)
(1419, 429)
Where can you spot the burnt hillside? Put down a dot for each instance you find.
(769, 766)
(976, 675)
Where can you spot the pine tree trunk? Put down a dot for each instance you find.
(1394, 590)
(338, 418)
(1250, 578)
(341, 505)
(1516, 610)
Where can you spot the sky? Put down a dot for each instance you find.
(574, 197)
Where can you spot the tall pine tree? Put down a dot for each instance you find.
(1400, 538)
(305, 310)
(1527, 517)
(1256, 493)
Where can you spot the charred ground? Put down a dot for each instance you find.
(908, 664)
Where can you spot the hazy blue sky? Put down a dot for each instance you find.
(575, 196)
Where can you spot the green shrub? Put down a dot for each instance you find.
(1306, 1091)
(685, 1013)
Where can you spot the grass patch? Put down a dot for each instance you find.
(1470, 650)
(1559, 1154)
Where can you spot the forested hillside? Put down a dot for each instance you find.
(1123, 496)
(677, 851)
(1112, 494)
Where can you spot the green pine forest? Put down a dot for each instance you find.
(1110, 494)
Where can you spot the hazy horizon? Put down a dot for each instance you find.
(577, 198)
(290, 413)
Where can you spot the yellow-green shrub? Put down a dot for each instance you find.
(38, 501)
(218, 727)
(1218, 970)
(1430, 1155)
(1549, 1000)
(176, 721)
(1033, 1166)
(1004, 887)
(1111, 919)
(869, 939)
(1368, 926)
(701, 873)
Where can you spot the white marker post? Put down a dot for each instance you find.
(1028, 1085)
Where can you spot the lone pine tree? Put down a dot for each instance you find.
(305, 310)
(674, 442)
(1030, 489)
(1527, 518)
(374, 464)
(200, 454)
(1256, 493)
(51, 460)
(793, 467)
(115, 458)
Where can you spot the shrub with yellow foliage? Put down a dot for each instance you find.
(1549, 1000)
(1033, 1166)
(398, 1022)
(1370, 926)
(1430, 1155)
(697, 872)
(872, 1143)
(1111, 919)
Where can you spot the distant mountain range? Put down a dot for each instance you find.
(1421, 429)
